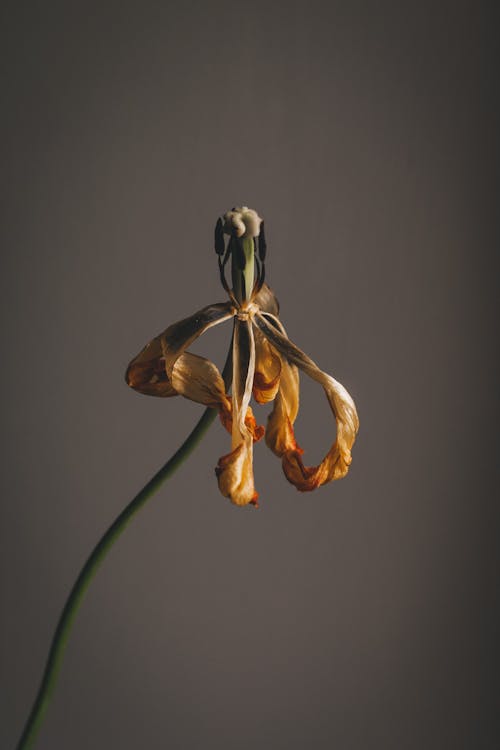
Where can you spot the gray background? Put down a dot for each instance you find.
(358, 617)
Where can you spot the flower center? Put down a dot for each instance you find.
(247, 311)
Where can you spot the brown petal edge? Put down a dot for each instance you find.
(280, 436)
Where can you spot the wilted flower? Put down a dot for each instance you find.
(265, 363)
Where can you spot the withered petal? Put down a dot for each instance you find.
(226, 417)
(146, 373)
(279, 431)
(177, 337)
(235, 470)
(198, 379)
(279, 434)
(151, 371)
(267, 301)
(243, 372)
(267, 370)
(235, 474)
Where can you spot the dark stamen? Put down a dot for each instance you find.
(261, 274)
(220, 247)
(262, 277)
(222, 273)
(223, 276)
(262, 243)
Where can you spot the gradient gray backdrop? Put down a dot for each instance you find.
(358, 617)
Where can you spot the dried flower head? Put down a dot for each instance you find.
(265, 365)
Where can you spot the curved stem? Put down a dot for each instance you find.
(90, 568)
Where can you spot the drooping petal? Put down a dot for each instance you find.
(280, 437)
(226, 417)
(177, 337)
(266, 300)
(198, 379)
(147, 374)
(267, 360)
(267, 370)
(151, 371)
(235, 474)
(235, 470)
(164, 368)
(243, 373)
(194, 377)
(336, 463)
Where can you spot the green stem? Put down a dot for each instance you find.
(242, 267)
(89, 570)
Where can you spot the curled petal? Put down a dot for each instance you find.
(163, 368)
(199, 380)
(147, 373)
(336, 463)
(267, 370)
(235, 470)
(267, 360)
(151, 371)
(280, 437)
(256, 430)
(177, 337)
(235, 474)
(226, 417)
(243, 373)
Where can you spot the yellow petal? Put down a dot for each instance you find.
(235, 470)
(147, 374)
(177, 337)
(151, 371)
(279, 431)
(267, 370)
(267, 360)
(226, 416)
(235, 474)
(199, 380)
(243, 372)
(281, 439)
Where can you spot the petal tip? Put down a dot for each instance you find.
(235, 475)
